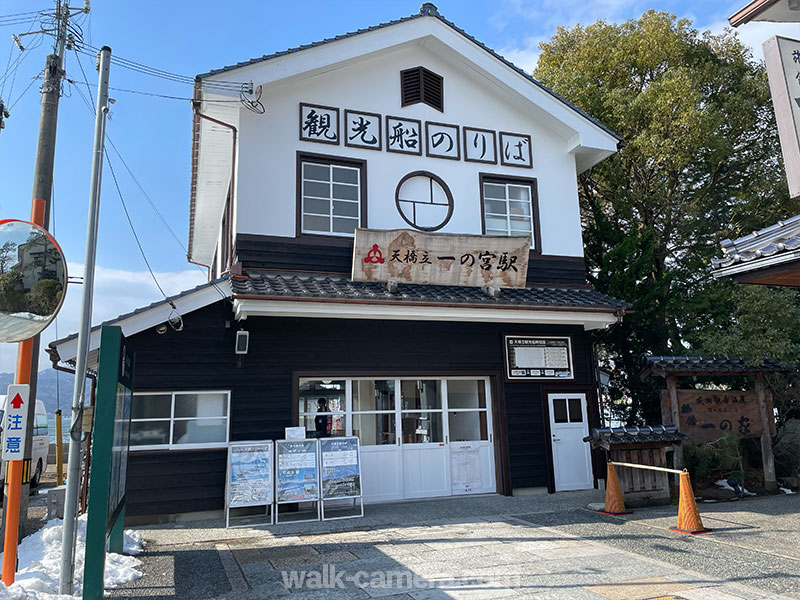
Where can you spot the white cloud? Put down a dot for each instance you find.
(116, 292)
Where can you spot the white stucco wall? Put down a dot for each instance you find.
(266, 195)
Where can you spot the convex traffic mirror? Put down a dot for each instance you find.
(33, 280)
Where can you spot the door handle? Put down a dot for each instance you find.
(555, 439)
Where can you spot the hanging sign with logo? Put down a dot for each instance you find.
(15, 422)
(409, 256)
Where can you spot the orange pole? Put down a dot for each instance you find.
(15, 478)
(24, 361)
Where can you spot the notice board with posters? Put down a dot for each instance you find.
(340, 468)
(538, 357)
(297, 471)
(707, 415)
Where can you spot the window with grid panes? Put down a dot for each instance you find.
(331, 198)
(508, 209)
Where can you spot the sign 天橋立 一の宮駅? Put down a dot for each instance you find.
(408, 256)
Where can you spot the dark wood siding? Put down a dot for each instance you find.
(191, 481)
(330, 255)
(201, 357)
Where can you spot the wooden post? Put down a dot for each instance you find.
(770, 481)
(672, 390)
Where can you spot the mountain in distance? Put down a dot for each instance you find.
(54, 388)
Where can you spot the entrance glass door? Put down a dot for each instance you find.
(426, 465)
(471, 444)
(374, 422)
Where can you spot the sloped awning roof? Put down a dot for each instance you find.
(664, 366)
(65, 349)
(770, 256)
(775, 11)
(331, 296)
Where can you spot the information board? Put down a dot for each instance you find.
(297, 471)
(341, 468)
(250, 480)
(538, 357)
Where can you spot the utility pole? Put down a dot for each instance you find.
(84, 334)
(42, 193)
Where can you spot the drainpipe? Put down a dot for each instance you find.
(231, 188)
(87, 456)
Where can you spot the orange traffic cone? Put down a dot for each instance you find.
(689, 521)
(615, 505)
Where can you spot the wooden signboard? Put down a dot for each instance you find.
(408, 256)
(706, 415)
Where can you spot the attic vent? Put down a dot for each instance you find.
(421, 85)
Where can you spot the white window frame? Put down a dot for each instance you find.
(506, 183)
(398, 411)
(172, 419)
(330, 163)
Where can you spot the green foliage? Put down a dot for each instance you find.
(716, 460)
(701, 163)
(45, 297)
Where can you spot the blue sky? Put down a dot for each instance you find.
(153, 134)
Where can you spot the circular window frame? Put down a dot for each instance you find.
(447, 192)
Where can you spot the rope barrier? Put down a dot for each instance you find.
(648, 467)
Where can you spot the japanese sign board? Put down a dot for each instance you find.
(408, 256)
(250, 467)
(706, 415)
(538, 357)
(341, 468)
(297, 470)
(15, 422)
(782, 57)
(405, 135)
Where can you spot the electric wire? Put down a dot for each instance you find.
(150, 201)
(130, 222)
(33, 80)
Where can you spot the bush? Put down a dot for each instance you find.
(721, 459)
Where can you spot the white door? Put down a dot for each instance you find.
(470, 438)
(571, 455)
(426, 464)
(373, 419)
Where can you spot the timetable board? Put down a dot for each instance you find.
(538, 357)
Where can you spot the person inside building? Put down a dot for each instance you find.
(321, 421)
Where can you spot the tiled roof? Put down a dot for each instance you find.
(426, 10)
(331, 287)
(631, 435)
(692, 365)
(783, 237)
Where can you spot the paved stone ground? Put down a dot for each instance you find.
(542, 547)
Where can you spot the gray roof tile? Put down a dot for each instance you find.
(691, 365)
(286, 285)
(784, 236)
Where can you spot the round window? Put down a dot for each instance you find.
(424, 201)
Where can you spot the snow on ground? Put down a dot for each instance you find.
(725, 486)
(40, 560)
(787, 491)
